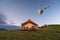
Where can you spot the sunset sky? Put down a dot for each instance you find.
(19, 11)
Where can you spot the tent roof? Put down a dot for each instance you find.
(29, 21)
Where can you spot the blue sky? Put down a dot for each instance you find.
(21, 10)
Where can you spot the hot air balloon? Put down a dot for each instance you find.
(40, 11)
(44, 6)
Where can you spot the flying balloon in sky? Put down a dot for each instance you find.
(40, 11)
(45, 7)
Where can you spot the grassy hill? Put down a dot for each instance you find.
(51, 32)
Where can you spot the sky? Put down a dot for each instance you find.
(19, 11)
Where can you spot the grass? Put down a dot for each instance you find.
(47, 33)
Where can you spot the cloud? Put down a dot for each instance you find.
(7, 24)
(10, 22)
(2, 18)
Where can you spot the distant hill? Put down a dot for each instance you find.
(2, 29)
(9, 27)
(52, 32)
